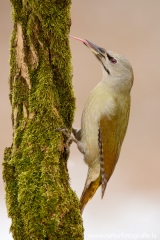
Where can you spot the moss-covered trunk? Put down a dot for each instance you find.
(39, 199)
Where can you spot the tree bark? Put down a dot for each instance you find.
(39, 199)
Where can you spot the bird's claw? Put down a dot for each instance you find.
(69, 137)
(64, 131)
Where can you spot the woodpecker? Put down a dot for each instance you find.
(104, 120)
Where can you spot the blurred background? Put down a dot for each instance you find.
(131, 204)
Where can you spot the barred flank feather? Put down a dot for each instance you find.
(103, 174)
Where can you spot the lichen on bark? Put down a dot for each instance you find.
(39, 199)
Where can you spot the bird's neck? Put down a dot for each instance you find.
(113, 85)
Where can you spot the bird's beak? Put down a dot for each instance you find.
(93, 47)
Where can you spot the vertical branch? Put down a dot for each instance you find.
(39, 198)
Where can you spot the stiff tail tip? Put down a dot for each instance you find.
(104, 184)
(89, 192)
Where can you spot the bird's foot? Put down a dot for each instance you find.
(64, 131)
(70, 139)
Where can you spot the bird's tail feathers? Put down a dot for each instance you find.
(104, 183)
(89, 192)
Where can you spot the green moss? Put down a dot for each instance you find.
(14, 212)
(39, 199)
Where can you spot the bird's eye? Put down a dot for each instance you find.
(113, 60)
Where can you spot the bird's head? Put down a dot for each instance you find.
(117, 70)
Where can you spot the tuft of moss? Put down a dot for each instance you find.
(39, 199)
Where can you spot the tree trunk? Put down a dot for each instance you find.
(39, 199)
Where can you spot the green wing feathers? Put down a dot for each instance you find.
(109, 148)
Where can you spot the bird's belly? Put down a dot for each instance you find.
(90, 125)
(90, 140)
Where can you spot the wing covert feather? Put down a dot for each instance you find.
(110, 143)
